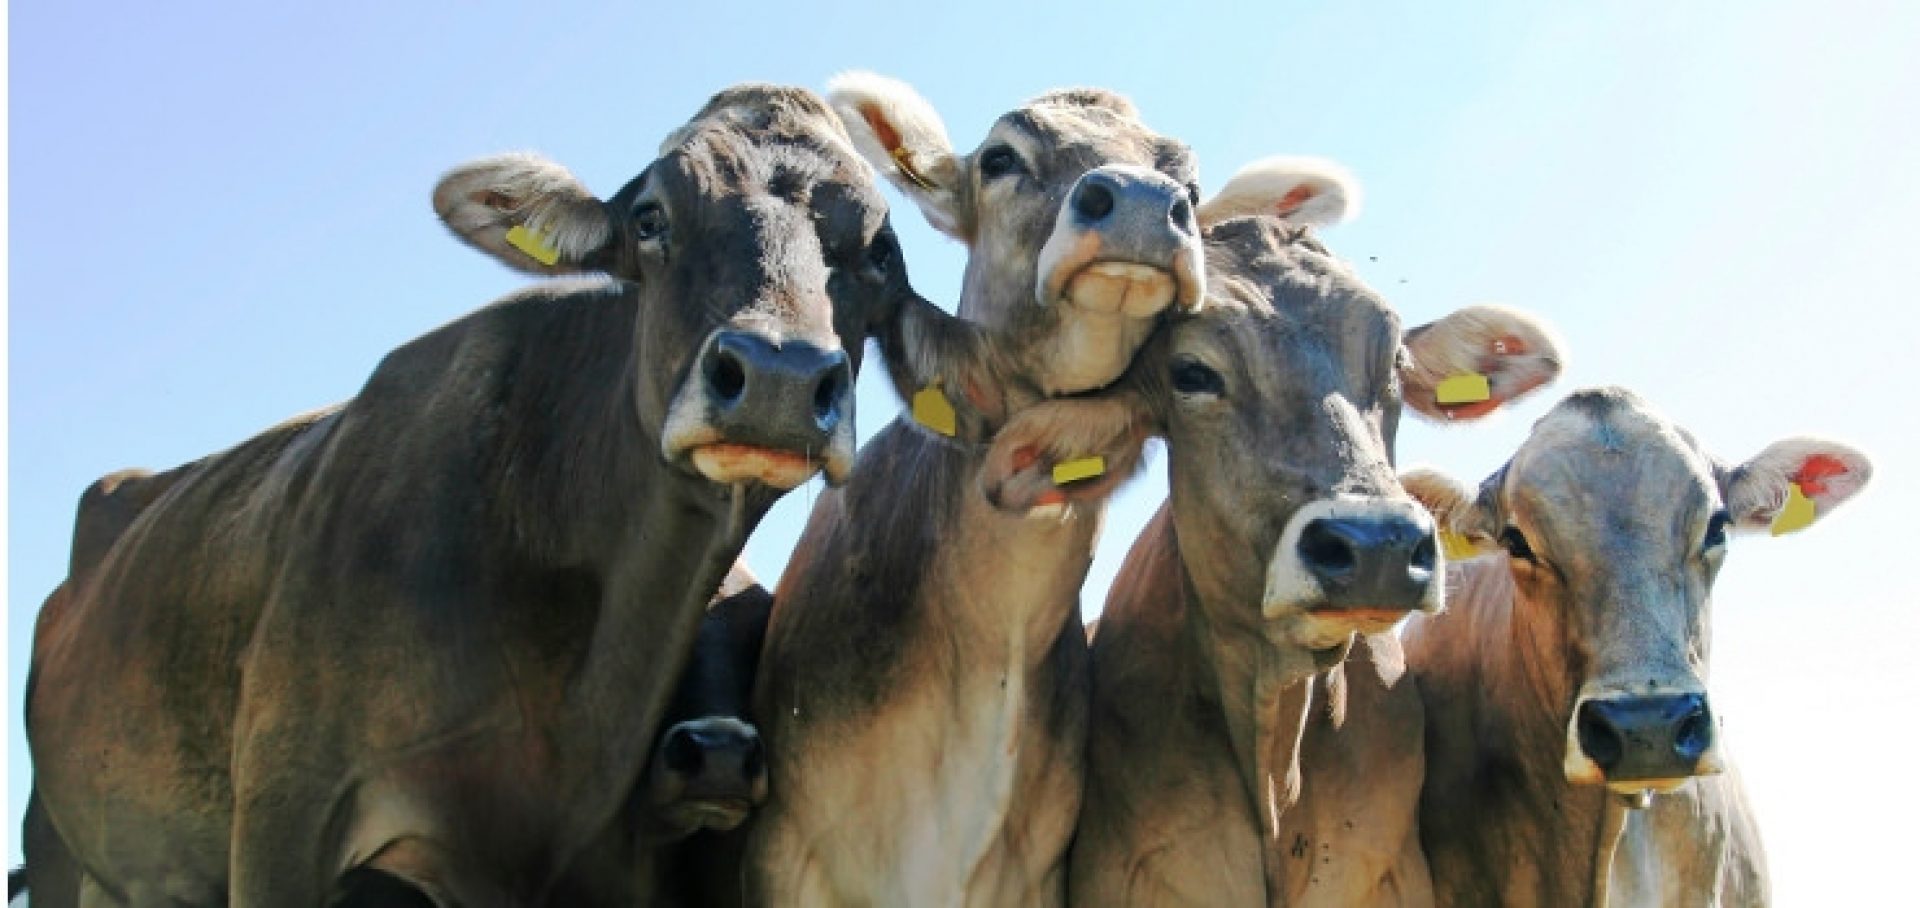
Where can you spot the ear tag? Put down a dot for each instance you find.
(932, 409)
(533, 243)
(1465, 388)
(1457, 546)
(1079, 468)
(1796, 514)
(903, 159)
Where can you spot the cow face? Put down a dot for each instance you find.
(1079, 219)
(1614, 522)
(761, 253)
(708, 769)
(1279, 402)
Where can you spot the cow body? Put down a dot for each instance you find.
(1258, 572)
(1572, 755)
(924, 678)
(422, 641)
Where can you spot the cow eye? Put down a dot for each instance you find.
(1191, 376)
(883, 253)
(1515, 542)
(649, 221)
(998, 161)
(1716, 532)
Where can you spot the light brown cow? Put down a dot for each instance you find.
(1285, 532)
(420, 643)
(924, 679)
(1568, 676)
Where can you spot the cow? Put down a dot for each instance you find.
(417, 646)
(1284, 535)
(922, 688)
(1567, 681)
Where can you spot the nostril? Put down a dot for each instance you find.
(1695, 732)
(1599, 740)
(1093, 200)
(683, 753)
(726, 375)
(1423, 555)
(754, 762)
(1328, 553)
(826, 396)
(1182, 214)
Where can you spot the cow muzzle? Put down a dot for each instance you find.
(756, 409)
(1634, 742)
(710, 772)
(1124, 243)
(1352, 565)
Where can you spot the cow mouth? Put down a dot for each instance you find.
(730, 462)
(1120, 288)
(720, 814)
(1362, 620)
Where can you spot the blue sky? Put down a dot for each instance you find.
(219, 218)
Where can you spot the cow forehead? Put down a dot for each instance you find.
(1265, 274)
(1089, 135)
(1604, 470)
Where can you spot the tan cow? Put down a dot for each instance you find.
(922, 689)
(1285, 532)
(1569, 676)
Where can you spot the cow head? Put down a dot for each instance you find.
(1279, 401)
(708, 769)
(1614, 522)
(1079, 219)
(761, 253)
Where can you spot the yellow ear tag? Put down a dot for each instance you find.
(932, 409)
(1465, 388)
(1796, 514)
(533, 244)
(1457, 546)
(1079, 468)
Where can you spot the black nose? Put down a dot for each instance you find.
(1383, 562)
(1653, 737)
(1138, 204)
(786, 395)
(714, 757)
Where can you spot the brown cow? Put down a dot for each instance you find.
(419, 644)
(924, 679)
(1568, 677)
(1285, 533)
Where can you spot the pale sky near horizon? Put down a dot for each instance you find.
(218, 218)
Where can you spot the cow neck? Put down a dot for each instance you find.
(1522, 675)
(595, 493)
(1264, 696)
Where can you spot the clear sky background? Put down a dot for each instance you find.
(219, 218)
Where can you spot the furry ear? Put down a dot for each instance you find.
(1476, 361)
(1310, 191)
(1065, 450)
(899, 133)
(1466, 529)
(1793, 483)
(524, 210)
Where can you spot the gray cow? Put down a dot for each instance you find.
(1568, 678)
(407, 646)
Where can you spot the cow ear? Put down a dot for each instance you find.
(948, 370)
(1307, 191)
(1793, 483)
(526, 211)
(1061, 451)
(1476, 361)
(899, 133)
(1465, 524)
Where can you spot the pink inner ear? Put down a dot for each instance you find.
(1508, 345)
(1295, 197)
(882, 130)
(1813, 474)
